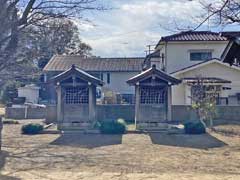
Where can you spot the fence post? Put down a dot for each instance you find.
(26, 112)
(1, 126)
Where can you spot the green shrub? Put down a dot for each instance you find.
(194, 128)
(32, 128)
(9, 91)
(113, 127)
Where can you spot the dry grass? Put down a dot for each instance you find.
(228, 129)
(2, 110)
(127, 157)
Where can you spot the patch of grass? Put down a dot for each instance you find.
(113, 127)
(194, 128)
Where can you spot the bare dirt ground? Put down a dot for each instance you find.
(2, 110)
(128, 157)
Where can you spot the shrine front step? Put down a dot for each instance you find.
(161, 127)
(80, 127)
(80, 131)
(152, 125)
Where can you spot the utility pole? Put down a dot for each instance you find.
(149, 50)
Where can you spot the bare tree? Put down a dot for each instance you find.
(203, 103)
(15, 15)
(221, 12)
(215, 12)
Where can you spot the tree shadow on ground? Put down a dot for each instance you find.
(87, 140)
(203, 141)
(3, 155)
(3, 177)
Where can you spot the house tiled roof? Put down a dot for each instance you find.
(231, 34)
(197, 36)
(63, 63)
(195, 65)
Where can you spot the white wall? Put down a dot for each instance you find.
(118, 82)
(31, 94)
(177, 54)
(210, 70)
(178, 94)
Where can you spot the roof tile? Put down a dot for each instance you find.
(64, 62)
(195, 36)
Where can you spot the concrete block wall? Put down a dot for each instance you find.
(231, 113)
(111, 112)
(51, 114)
(104, 112)
(184, 113)
(22, 113)
(108, 112)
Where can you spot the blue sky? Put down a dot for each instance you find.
(131, 25)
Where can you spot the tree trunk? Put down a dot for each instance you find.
(201, 118)
(210, 123)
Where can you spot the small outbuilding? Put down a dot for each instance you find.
(30, 93)
(76, 99)
(153, 97)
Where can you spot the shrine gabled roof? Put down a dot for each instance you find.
(153, 71)
(79, 73)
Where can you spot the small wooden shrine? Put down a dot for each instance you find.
(153, 97)
(76, 99)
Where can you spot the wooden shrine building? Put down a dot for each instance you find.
(153, 97)
(76, 99)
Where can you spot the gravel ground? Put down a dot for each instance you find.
(128, 157)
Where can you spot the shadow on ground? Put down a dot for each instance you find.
(203, 141)
(3, 155)
(87, 140)
(3, 177)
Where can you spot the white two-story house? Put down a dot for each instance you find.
(186, 55)
(112, 71)
(193, 54)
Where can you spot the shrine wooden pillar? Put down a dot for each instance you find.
(92, 102)
(169, 103)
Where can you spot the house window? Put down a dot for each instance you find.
(200, 55)
(108, 78)
(152, 95)
(76, 95)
